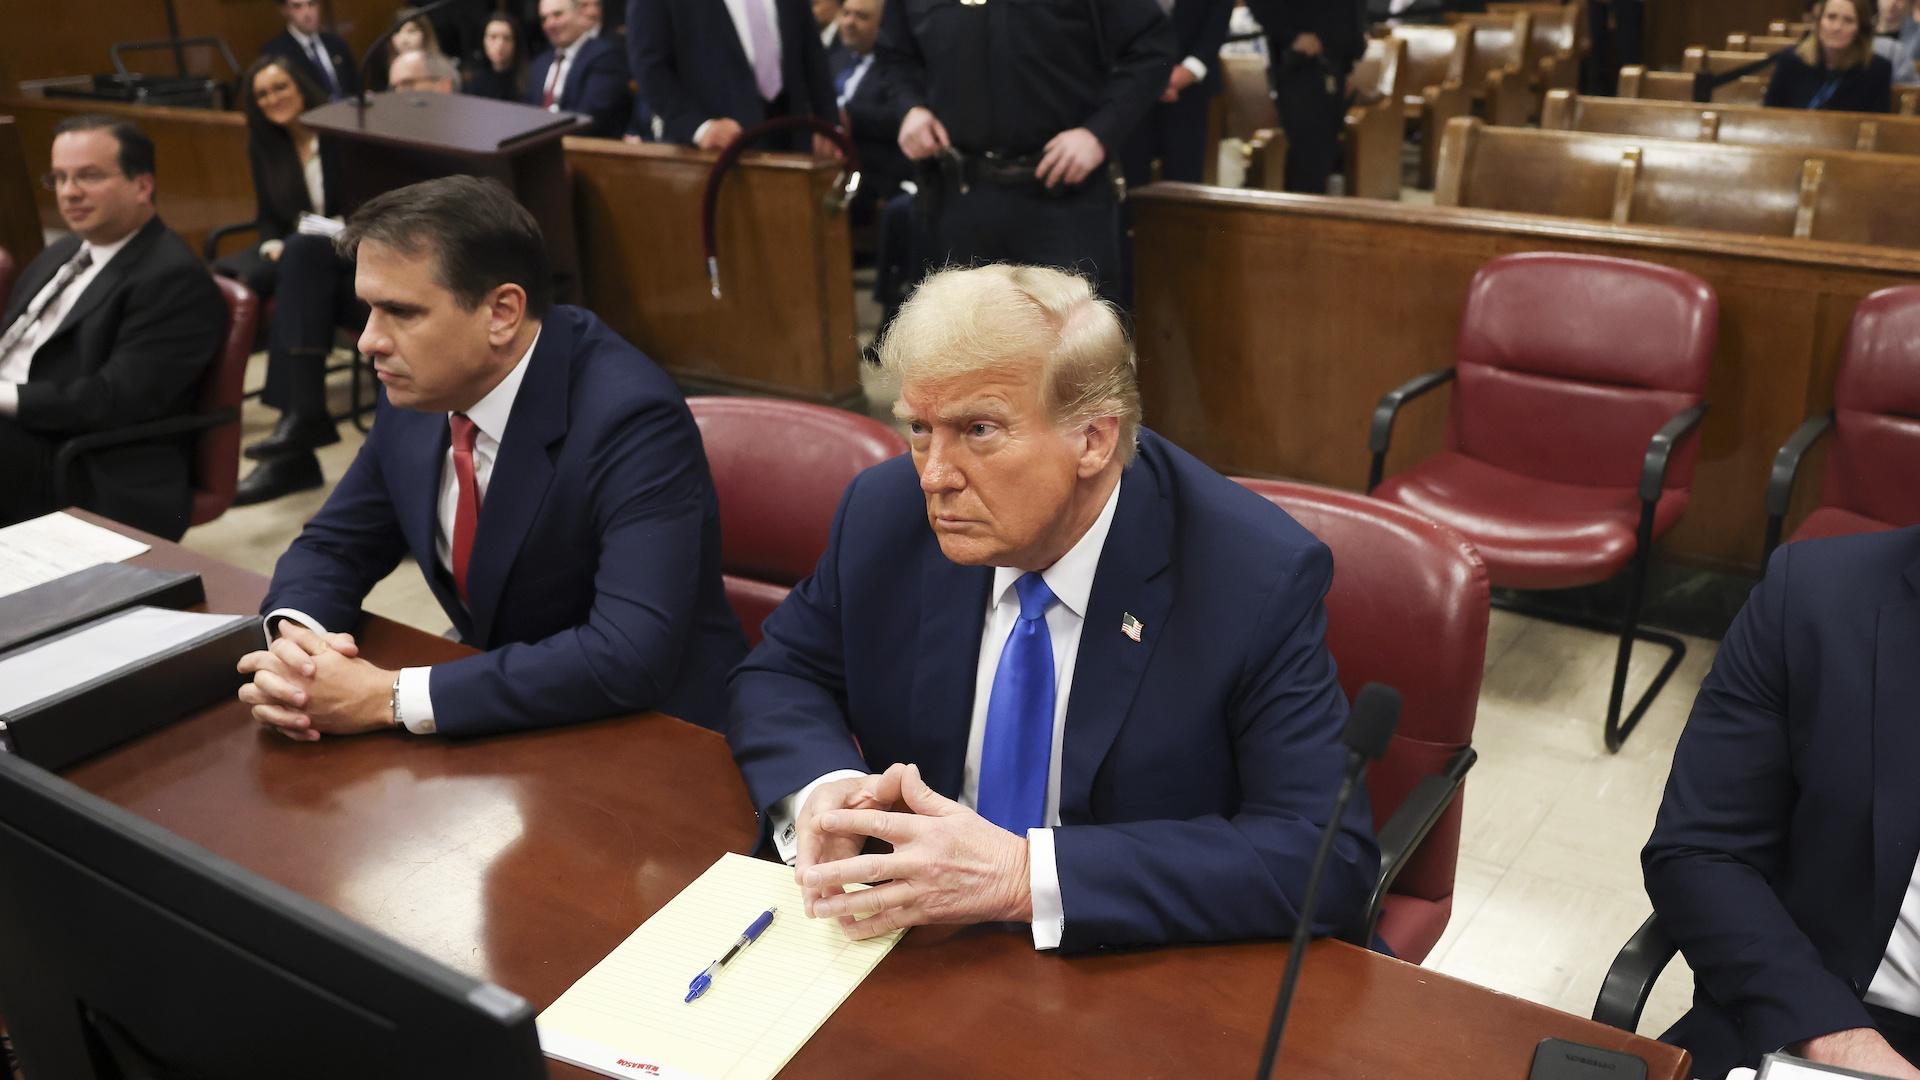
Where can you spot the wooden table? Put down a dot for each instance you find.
(525, 859)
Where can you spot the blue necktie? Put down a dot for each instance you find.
(325, 69)
(1019, 738)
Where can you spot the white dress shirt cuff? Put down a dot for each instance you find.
(272, 618)
(416, 704)
(701, 131)
(9, 399)
(1195, 65)
(1043, 876)
(782, 815)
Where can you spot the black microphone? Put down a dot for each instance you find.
(1370, 724)
(1706, 82)
(399, 21)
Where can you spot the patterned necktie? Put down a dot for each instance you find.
(29, 318)
(466, 512)
(326, 69)
(553, 80)
(766, 49)
(1018, 744)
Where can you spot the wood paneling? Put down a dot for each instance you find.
(19, 218)
(1269, 325)
(784, 321)
(200, 160)
(1672, 25)
(72, 37)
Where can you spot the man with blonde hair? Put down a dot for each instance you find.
(1074, 676)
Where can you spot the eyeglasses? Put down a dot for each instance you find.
(86, 178)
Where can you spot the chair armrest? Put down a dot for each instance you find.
(211, 249)
(1653, 470)
(1380, 433)
(1623, 994)
(1786, 463)
(1401, 836)
(72, 449)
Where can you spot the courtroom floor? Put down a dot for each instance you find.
(1549, 879)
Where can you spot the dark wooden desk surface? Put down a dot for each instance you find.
(525, 859)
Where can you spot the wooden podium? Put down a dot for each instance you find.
(397, 139)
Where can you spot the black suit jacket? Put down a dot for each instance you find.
(132, 348)
(1787, 837)
(596, 86)
(1201, 28)
(692, 68)
(1861, 89)
(341, 57)
(1339, 24)
(280, 189)
(875, 123)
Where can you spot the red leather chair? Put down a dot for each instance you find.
(780, 468)
(1578, 379)
(215, 419)
(1873, 467)
(1408, 607)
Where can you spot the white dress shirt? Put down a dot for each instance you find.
(1071, 582)
(1896, 985)
(17, 364)
(562, 67)
(853, 79)
(737, 10)
(489, 416)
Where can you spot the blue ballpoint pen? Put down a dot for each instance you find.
(704, 980)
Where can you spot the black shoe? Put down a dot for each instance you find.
(279, 476)
(294, 433)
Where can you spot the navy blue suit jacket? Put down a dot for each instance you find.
(345, 66)
(691, 68)
(596, 86)
(1791, 821)
(1198, 764)
(595, 574)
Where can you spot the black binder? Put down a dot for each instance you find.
(86, 595)
(142, 695)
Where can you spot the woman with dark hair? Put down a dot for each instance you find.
(502, 67)
(311, 285)
(1835, 67)
(416, 34)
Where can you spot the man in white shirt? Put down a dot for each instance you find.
(546, 477)
(1783, 860)
(321, 56)
(1077, 678)
(108, 328)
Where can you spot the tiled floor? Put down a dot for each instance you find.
(1549, 880)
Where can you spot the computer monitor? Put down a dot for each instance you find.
(127, 953)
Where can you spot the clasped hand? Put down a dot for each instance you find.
(305, 686)
(948, 864)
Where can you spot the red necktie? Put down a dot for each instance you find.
(466, 513)
(553, 82)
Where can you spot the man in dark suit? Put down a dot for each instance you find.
(1074, 685)
(1312, 45)
(112, 326)
(866, 108)
(708, 69)
(1175, 132)
(582, 73)
(543, 473)
(1783, 858)
(322, 57)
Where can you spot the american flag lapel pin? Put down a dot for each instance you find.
(1131, 626)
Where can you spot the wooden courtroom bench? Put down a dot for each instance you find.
(1641, 83)
(1431, 89)
(1244, 110)
(1782, 28)
(1745, 125)
(202, 179)
(1698, 58)
(1261, 355)
(1498, 69)
(1785, 192)
(1761, 43)
(1558, 43)
(1672, 25)
(1375, 126)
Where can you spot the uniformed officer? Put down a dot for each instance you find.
(1311, 47)
(1014, 112)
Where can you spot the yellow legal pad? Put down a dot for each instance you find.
(628, 1016)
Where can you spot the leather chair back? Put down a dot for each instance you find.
(1568, 364)
(1873, 465)
(216, 457)
(1408, 607)
(779, 468)
(7, 270)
